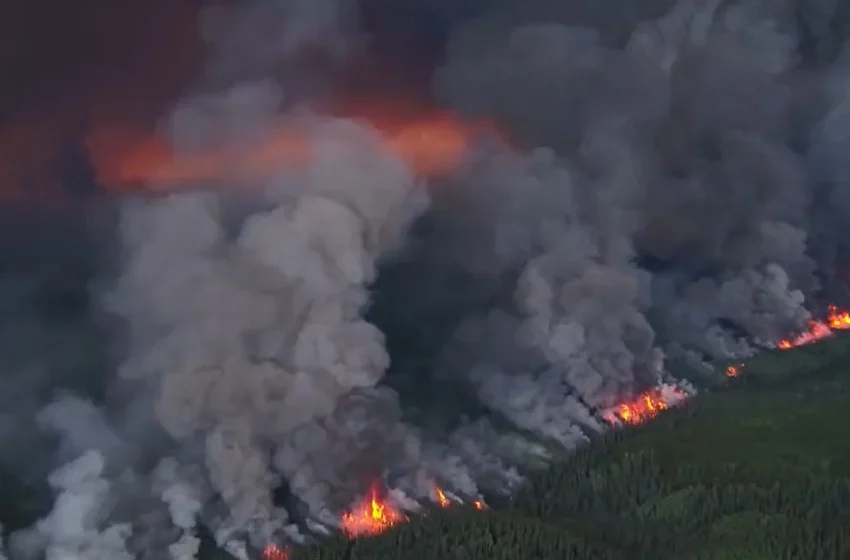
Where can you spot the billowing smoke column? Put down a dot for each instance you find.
(250, 327)
(667, 193)
(676, 144)
(71, 529)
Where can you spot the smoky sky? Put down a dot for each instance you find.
(673, 190)
(68, 69)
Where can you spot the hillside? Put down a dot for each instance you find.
(759, 470)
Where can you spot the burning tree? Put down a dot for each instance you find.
(370, 517)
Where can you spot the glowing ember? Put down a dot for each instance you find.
(733, 371)
(274, 552)
(370, 517)
(478, 504)
(441, 497)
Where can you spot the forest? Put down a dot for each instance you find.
(758, 469)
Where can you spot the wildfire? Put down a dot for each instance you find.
(274, 552)
(432, 144)
(443, 501)
(733, 371)
(816, 330)
(370, 517)
(836, 319)
(645, 406)
(441, 497)
(374, 515)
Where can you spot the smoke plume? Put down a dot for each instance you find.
(661, 188)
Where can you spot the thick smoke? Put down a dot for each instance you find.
(680, 144)
(78, 525)
(673, 197)
(250, 327)
(184, 506)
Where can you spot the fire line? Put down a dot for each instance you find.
(373, 515)
(836, 319)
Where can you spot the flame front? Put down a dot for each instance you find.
(815, 331)
(373, 515)
(836, 319)
(370, 517)
(645, 406)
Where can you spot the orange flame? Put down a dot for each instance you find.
(433, 144)
(733, 370)
(274, 552)
(445, 502)
(644, 407)
(441, 497)
(836, 319)
(370, 517)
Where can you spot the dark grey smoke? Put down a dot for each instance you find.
(682, 142)
(675, 195)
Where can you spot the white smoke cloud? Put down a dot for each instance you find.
(78, 526)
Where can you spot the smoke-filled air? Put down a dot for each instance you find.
(290, 311)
